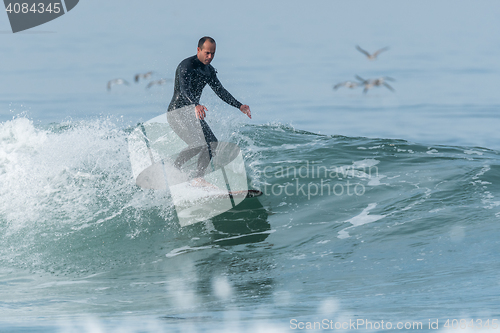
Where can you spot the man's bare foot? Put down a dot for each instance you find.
(200, 182)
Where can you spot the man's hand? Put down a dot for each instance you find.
(200, 111)
(246, 110)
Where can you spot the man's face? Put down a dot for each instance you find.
(207, 53)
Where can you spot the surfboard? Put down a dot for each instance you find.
(246, 194)
(253, 193)
(153, 148)
(235, 194)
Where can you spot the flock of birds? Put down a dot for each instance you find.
(137, 78)
(367, 83)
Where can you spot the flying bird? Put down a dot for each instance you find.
(373, 55)
(348, 84)
(116, 81)
(370, 83)
(158, 82)
(144, 76)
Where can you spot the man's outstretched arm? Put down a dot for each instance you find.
(227, 97)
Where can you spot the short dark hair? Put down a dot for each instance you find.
(202, 41)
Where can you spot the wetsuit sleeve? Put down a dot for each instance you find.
(185, 85)
(223, 93)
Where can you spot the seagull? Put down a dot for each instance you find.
(116, 81)
(381, 81)
(370, 83)
(158, 82)
(144, 76)
(367, 83)
(348, 84)
(372, 56)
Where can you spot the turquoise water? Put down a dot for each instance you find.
(377, 207)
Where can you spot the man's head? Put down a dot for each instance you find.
(206, 50)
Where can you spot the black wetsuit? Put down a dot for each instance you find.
(191, 77)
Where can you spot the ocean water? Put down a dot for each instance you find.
(380, 210)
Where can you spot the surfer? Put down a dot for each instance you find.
(186, 115)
